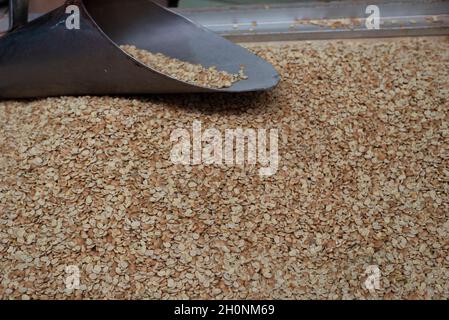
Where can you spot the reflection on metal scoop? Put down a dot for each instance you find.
(45, 58)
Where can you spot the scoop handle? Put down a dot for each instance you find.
(18, 13)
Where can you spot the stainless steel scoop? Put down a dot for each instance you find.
(46, 58)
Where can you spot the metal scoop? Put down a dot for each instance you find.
(46, 58)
